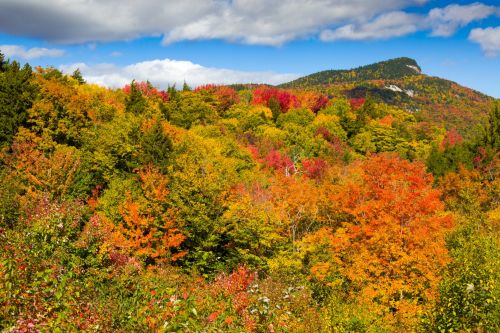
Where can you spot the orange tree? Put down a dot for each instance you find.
(390, 248)
(144, 223)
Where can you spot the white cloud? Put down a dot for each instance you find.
(269, 22)
(264, 22)
(166, 72)
(445, 21)
(35, 52)
(81, 21)
(488, 39)
(441, 22)
(388, 25)
(274, 22)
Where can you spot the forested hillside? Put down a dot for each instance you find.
(385, 70)
(400, 82)
(330, 204)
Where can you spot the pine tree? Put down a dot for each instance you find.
(274, 105)
(492, 135)
(135, 103)
(77, 75)
(16, 96)
(3, 63)
(172, 92)
(156, 146)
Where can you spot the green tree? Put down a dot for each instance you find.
(135, 102)
(442, 161)
(301, 117)
(190, 108)
(492, 129)
(275, 107)
(77, 75)
(16, 96)
(156, 145)
(3, 63)
(469, 291)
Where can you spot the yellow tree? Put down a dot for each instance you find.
(297, 202)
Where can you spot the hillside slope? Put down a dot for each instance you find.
(384, 70)
(400, 82)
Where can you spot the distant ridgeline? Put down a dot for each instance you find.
(384, 70)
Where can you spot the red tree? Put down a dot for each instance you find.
(286, 100)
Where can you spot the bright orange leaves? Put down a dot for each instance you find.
(391, 244)
(149, 227)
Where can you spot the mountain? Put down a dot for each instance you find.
(401, 82)
(384, 70)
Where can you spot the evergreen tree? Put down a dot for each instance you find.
(77, 75)
(135, 103)
(172, 92)
(274, 105)
(492, 130)
(156, 146)
(16, 96)
(2, 62)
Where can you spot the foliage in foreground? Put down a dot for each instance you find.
(263, 210)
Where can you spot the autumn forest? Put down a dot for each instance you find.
(361, 200)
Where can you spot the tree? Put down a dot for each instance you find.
(492, 136)
(253, 230)
(391, 245)
(274, 105)
(77, 75)
(135, 103)
(3, 63)
(190, 108)
(156, 145)
(147, 227)
(449, 158)
(201, 176)
(296, 202)
(264, 95)
(301, 117)
(17, 94)
(469, 289)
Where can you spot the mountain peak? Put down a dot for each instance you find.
(385, 70)
(397, 63)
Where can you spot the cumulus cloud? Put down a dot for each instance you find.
(445, 21)
(488, 39)
(83, 21)
(166, 72)
(269, 22)
(265, 22)
(441, 22)
(388, 25)
(274, 22)
(35, 52)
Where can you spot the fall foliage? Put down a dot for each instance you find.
(317, 206)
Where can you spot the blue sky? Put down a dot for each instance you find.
(271, 41)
